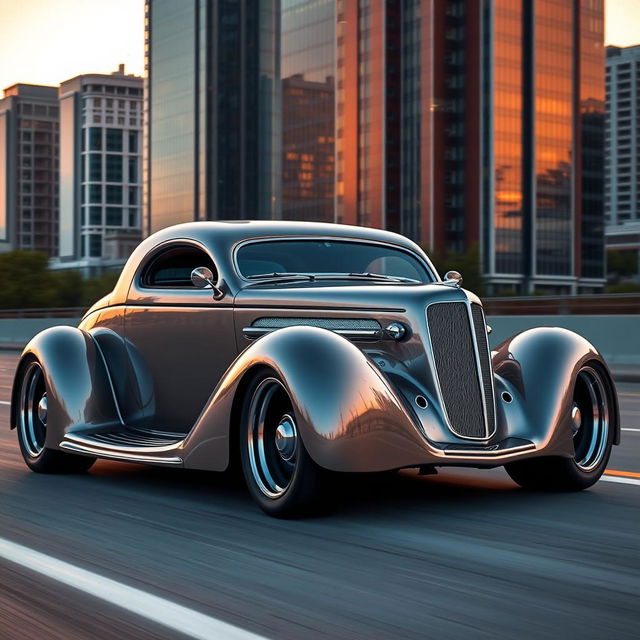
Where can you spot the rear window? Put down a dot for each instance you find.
(328, 257)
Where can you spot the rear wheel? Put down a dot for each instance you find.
(280, 475)
(32, 416)
(591, 423)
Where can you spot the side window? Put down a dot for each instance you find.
(172, 267)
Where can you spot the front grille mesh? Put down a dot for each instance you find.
(456, 367)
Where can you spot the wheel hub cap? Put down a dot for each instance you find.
(576, 418)
(286, 437)
(42, 409)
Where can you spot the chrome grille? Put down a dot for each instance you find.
(459, 367)
(484, 356)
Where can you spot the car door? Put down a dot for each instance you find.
(179, 339)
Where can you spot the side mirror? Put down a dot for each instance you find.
(453, 278)
(202, 278)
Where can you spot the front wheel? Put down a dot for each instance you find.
(280, 475)
(32, 417)
(593, 430)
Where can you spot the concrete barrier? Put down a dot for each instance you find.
(16, 332)
(616, 337)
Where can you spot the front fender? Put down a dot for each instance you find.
(538, 367)
(350, 419)
(78, 387)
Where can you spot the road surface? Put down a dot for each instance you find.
(154, 553)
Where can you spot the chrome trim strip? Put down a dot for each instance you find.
(124, 457)
(493, 389)
(354, 334)
(87, 441)
(496, 453)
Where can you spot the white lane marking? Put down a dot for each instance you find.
(4, 402)
(621, 480)
(181, 619)
(629, 429)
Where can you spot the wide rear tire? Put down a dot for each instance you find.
(592, 419)
(31, 424)
(280, 475)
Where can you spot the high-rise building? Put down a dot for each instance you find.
(458, 123)
(623, 149)
(100, 169)
(29, 168)
(213, 110)
(308, 69)
(464, 123)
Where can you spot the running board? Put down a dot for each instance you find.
(125, 445)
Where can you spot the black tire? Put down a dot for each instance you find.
(593, 439)
(31, 425)
(279, 473)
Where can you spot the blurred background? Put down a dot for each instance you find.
(501, 135)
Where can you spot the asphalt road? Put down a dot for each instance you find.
(464, 554)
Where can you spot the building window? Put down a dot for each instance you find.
(95, 193)
(133, 170)
(114, 140)
(94, 216)
(133, 142)
(114, 194)
(133, 217)
(95, 245)
(114, 168)
(133, 195)
(95, 167)
(114, 216)
(95, 138)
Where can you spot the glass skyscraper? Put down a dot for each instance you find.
(459, 123)
(213, 111)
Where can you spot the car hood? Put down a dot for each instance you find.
(348, 295)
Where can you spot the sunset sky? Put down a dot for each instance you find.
(48, 41)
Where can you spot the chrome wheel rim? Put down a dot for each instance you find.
(32, 420)
(272, 438)
(590, 419)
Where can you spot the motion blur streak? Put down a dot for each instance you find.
(186, 621)
(620, 480)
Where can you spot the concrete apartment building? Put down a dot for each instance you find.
(100, 170)
(29, 168)
(622, 198)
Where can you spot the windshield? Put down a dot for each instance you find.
(324, 257)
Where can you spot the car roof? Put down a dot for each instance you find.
(219, 237)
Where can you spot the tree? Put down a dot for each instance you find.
(467, 263)
(27, 283)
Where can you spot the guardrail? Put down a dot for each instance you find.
(53, 312)
(603, 304)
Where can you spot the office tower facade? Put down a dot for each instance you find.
(213, 110)
(623, 150)
(29, 168)
(467, 124)
(308, 69)
(458, 123)
(100, 169)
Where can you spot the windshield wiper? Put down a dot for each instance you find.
(365, 276)
(277, 275)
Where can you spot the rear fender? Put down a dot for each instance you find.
(79, 391)
(349, 417)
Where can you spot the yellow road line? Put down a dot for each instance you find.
(622, 474)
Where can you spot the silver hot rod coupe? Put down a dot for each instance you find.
(301, 349)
